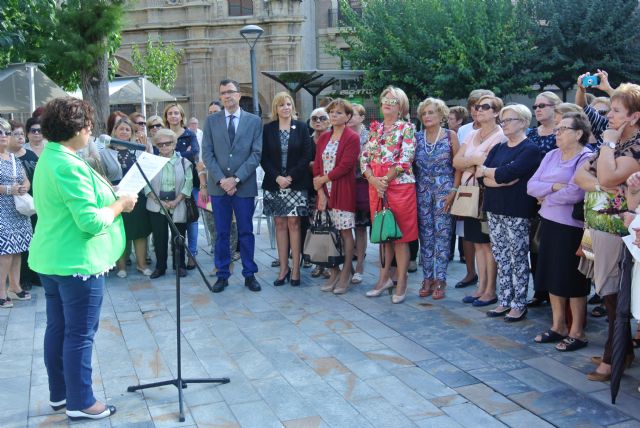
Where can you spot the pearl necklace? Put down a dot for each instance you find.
(430, 145)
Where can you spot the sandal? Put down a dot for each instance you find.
(438, 291)
(427, 288)
(6, 303)
(23, 295)
(571, 344)
(549, 336)
(599, 311)
(316, 272)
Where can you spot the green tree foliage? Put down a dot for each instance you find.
(576, 36)
(159, 63)
(24, 26)
(441, 48)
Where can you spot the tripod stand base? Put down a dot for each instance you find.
(180, 384)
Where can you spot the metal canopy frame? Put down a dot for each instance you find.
(312, 81)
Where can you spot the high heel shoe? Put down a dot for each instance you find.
(375, 293)
(330, 285)
(395, 298)
(283, 281)
(342, 289)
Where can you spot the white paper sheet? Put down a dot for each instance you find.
(133, 181)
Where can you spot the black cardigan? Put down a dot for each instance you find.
(299, 155)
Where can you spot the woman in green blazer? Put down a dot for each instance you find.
(78, 238)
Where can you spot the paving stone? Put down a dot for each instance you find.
(283, 399)
(403, 397)
(422, 382)
(331, 406)
(166, 416)
(536, 379)
(255, 414)
(567, 375)
(487, 399)
(351, 387)
(310, 422)
(499, 380)
(363, 341)
(443, 421)
(407, 348)
(523, 419)
(470, 415)
(380, 413)
(447, 373)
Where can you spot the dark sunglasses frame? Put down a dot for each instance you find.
(35, 130)
(541, 105)
(157, 125)
(319, 118)
(484, 107)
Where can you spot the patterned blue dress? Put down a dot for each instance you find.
(545, 143)
(434, 179)
(15, 228)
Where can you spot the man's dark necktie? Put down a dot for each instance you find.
(231, 129)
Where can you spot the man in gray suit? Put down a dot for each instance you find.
(231, 150)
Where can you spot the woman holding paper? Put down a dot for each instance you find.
(78, 238)
(117, 161)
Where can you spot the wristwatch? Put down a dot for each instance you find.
(236, 179)
(610, 144)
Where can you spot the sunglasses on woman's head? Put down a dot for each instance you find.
(389, 101)
(541, 105)
(319, 118)
(484, 107)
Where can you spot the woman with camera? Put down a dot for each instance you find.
(286, 153)
(386, 162)
(172, 185)
(603, 177)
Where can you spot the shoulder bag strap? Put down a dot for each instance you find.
(15, 172)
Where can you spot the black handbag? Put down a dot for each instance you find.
(578, 211)
(323, 245)
(192, 210)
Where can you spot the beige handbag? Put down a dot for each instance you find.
(24, 203)
(468, 201)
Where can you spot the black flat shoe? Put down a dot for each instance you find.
(278, 282)
(156, 274)
(79, 415)
(594, 300)
(495, 314)
(521, 317)
(58, 405)
(220, 285)
(472, 281)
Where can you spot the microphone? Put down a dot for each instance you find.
(107, 139)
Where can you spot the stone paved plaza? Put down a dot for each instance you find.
(298, 357)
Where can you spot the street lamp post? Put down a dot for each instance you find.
(251, 34)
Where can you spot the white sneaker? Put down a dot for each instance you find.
(122, 274)
(357, 278)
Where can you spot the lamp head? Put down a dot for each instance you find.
(251, 33)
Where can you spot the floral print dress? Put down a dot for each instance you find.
(341, 219)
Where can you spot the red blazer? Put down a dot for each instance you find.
(343, 175)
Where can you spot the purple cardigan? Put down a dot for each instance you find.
(557, 206)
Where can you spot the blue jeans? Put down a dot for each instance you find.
(192, 230)
(73, 313)
(223, 207)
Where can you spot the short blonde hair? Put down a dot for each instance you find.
(180, 109)
(476, 94)
(124, 121)
(629, 96)
(552, 97)
(564, 108)
(5, 125)
(278, 100)
(520, 110)
(441, 107)
(359, 108)
(495, 102)
(403, 101)
(165, 132)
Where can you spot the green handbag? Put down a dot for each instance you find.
(384, 227)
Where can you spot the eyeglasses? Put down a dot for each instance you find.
(18, 134)
(484, 107)
(155, 125)
(541, 105)
(228, 93)
(561, 129)
(35, 130)
(165, 144)
(141, 123)
(508, 121)
(603, 112)
(4, 133)
(319, 118)
(389, 101)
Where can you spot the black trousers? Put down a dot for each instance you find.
(160, 231)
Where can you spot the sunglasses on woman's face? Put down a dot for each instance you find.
(157, 126)
(164, 144)
(389, 101)
(484, 107)
(4, 133)
(541, 105)
(319, 118)
(35, 130)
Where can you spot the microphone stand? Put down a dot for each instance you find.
(178, 382)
